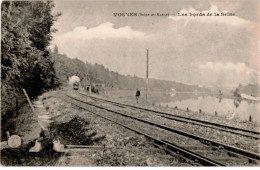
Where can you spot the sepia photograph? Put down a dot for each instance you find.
(130, 83)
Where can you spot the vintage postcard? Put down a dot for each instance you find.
(148, 83)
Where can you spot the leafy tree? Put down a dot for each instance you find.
(26, 62)
(237, 93)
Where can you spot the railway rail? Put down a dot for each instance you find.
(252, 157)
(193, 158)
(230, 129)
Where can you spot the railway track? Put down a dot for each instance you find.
(216, 147)
(220, 127)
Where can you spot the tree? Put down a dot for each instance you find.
(26, 63)
(237, 93)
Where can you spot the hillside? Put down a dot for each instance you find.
(66, 67)
(250, 89)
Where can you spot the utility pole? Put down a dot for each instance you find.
(147, 62)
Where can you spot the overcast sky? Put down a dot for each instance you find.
(211, 51)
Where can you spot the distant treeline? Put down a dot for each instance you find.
(66, 67)
(25, 60)
(250, 89)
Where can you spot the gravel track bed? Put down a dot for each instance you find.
(128, 148)
(206, 132)
(201, 116)
(179, 140)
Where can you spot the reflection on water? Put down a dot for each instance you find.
(230, 108)
(236, 103)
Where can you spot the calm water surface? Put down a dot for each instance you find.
(228, 108)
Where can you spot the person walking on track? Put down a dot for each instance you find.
(138, 93)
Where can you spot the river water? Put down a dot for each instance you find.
(229, 108)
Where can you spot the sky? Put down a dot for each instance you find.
(202, 50)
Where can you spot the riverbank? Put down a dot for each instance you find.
(129, 97)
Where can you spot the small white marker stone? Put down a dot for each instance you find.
(14, 141)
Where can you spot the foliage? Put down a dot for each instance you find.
(250, 89)
(66, 67)
(236, 93)
(76, 132)
(26, 63)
